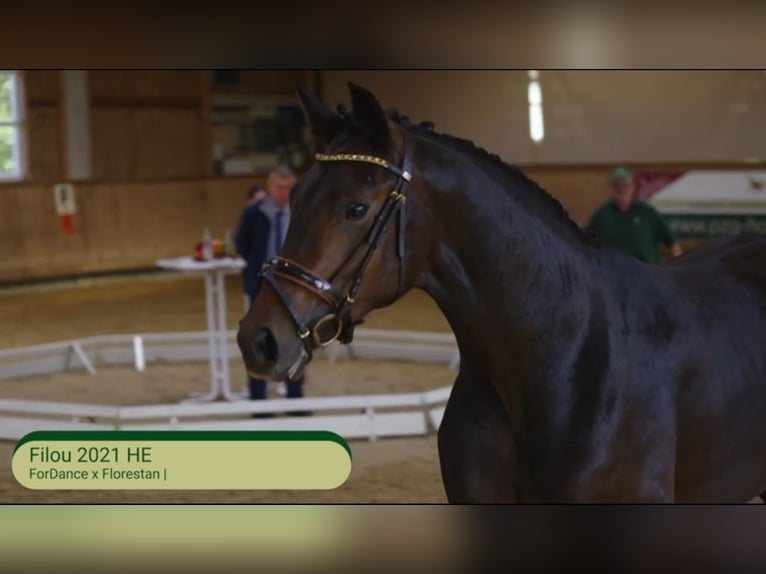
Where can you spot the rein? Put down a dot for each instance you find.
(339, 317)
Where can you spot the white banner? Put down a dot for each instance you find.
(714, 193)
(702, 203)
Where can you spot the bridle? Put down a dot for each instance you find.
(340, 309)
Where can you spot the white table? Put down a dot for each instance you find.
(214, 272)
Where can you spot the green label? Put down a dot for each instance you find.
(181, 460)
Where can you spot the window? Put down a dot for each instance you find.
(10, 126)
(535, 99)
(252, 133)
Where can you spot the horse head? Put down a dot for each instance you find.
(348, 248)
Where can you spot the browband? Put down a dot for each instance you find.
(407, 176)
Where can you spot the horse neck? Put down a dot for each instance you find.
(509, 274)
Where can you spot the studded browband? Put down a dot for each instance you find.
(404, 174)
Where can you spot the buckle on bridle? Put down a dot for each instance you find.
(315, 330)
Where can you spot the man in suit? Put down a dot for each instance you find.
(260, 235)
(255, 194)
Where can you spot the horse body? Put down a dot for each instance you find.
(720, 370)
(616, 380)
(663, 405)
(585, 374)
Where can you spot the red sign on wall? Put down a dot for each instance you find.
(647, 183)
(67, 223)
(66, 206)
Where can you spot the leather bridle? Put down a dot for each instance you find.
(340, 308)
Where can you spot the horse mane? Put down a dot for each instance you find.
(426, 128)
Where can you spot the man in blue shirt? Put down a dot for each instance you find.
(261, 232)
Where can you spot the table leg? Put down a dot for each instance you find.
(212, 338)
(223, 343)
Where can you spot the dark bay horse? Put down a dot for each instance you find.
(585, 375)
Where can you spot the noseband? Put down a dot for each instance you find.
(340, 309)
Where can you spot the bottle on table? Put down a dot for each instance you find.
(207, 245)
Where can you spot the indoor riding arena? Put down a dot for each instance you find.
(114, 183)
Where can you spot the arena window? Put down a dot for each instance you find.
(10, 126)
(535, 100)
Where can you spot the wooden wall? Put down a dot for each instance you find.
(118, 226)
(152, 194)
(264, 82)
(128, 225)
(147, 125)
(144, 125)
(43, 142)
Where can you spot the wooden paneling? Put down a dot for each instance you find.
(110, 85)
(147, 124)
(13, 233)
(581, 190)
(206, 125)
(129, 225)
(166, 85)
(137, 86)
(166, 143)
(43, 143)
(118, 225)
(112, 150)
(264, 82)
(144, 124)
(41, 87)
(149, 151)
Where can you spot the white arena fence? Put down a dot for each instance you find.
(352, 416)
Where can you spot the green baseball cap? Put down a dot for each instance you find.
(620, 173)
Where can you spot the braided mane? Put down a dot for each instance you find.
(426, 129)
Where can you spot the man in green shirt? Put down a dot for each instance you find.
(629, 224)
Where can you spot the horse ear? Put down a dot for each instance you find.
(323, 121)
(369, 115)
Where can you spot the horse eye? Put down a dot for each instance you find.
(356, 210)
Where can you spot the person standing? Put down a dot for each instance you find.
(261, 232)
(255, 194)
(629, 224)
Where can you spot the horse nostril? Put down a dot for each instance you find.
(266, 346)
